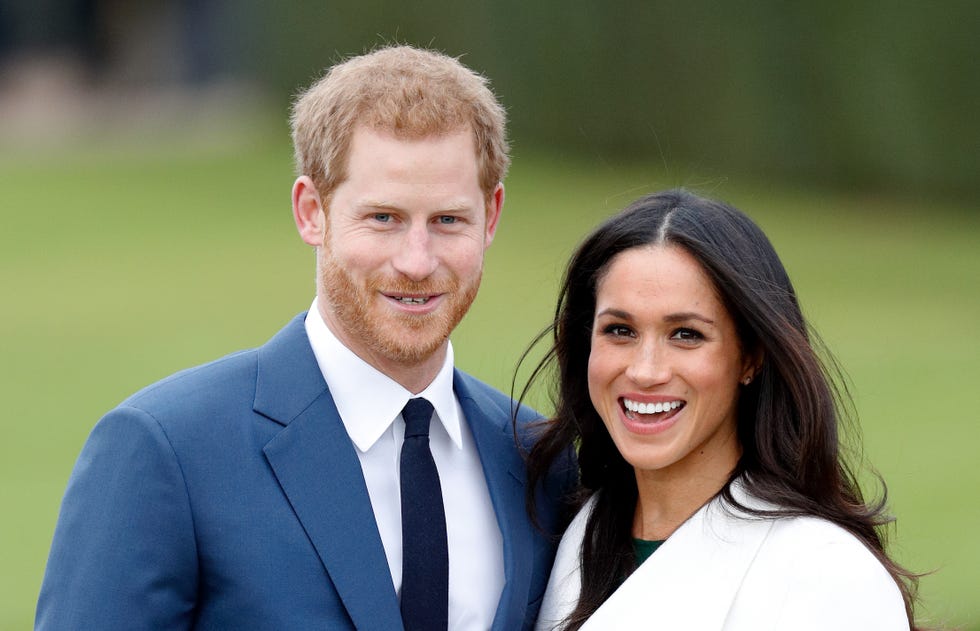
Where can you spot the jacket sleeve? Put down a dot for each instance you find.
(124, 554)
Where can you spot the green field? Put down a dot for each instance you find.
(121, 267)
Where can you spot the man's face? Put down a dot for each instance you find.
(402, 254)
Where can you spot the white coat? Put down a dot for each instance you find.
(725, 570)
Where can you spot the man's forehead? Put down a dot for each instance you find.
(386, 131)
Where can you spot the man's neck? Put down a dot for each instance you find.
(414, 376)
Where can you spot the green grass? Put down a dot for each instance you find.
(120, 267)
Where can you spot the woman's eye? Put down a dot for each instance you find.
(687, 335)
(618, 330)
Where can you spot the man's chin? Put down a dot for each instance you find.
(410, 354)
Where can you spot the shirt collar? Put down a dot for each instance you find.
(368, 400)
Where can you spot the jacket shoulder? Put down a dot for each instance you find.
(199, 387)
(229, 379)
(814, 573)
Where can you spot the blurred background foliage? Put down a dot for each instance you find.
(868, 94)
(145, 227)
(860, 94)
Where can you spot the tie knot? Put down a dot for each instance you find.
(417, 414)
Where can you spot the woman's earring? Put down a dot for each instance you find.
(747, 380)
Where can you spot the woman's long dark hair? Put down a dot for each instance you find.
(788, 417)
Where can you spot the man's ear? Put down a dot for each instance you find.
(308, 211)
(494, 206)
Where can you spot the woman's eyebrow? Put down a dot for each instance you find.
(616, 313)
(688, 315)
(671, 318)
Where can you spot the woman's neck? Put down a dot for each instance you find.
(666, 498)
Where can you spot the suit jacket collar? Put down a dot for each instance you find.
(504, 471)
(288, 379)
(349, 378)
(318, 470)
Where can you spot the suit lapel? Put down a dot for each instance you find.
(505, 475)
(318, 470)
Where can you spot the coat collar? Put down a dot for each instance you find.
(709, 554)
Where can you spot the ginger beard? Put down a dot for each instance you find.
(402, 338)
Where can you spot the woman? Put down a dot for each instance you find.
(707, 434)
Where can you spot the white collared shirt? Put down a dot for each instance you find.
(369, 403)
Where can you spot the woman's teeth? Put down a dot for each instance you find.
(651, 408)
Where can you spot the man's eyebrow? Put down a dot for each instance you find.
(377, 204)
(381, 204)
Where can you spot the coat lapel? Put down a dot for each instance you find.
(708, 554)
(318, 469)
(505, 475)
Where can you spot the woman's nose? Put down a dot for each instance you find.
(649, 366)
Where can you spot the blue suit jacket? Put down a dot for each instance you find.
(229, 496)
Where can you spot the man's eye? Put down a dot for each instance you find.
(447, 219)
(382, 217)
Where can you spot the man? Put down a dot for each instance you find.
(274, 488)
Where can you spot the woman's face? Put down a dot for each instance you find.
(666, 363)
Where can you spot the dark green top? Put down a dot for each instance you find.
(643, 549)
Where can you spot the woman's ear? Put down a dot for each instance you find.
(308, 211)
(751, 365)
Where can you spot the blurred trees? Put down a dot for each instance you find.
(865, 94)
(853, 93)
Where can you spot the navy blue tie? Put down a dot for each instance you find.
(425, 553)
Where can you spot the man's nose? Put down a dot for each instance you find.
(416, 257)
